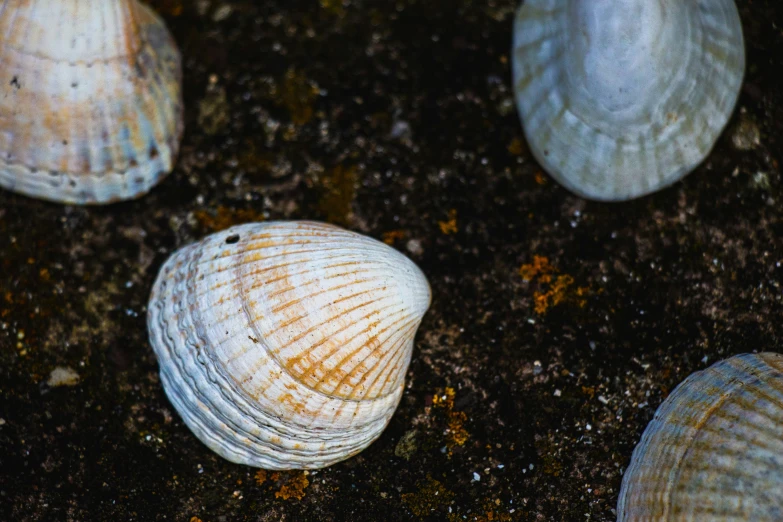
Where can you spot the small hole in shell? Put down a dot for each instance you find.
(154, 152)
(232, 240)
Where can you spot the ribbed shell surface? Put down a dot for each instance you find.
(620, 98)
(714, 450)
(90, 103)
(284, 345)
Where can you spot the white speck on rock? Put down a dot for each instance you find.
(476, 477)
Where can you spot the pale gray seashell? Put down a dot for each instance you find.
(90, 103)
(714, 450)
(620, 98)
(284, 345)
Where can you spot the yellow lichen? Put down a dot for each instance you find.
(294, 487)
(289, 484)
(430, 496)
(456, 434)
(540, 267)
(450, 225)
(260, 476)
(553, 289)
(391, 236)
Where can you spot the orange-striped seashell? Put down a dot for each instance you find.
(90, 99)
(284, 345)
(714, 450)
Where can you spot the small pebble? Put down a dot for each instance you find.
(746, 135)
(63, 376)
(414, 247)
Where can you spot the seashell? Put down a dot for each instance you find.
(621, 98)
(284, 345)
(714, 450)
(90, 103)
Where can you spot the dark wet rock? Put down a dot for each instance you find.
(557, 325)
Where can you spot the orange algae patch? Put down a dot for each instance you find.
(294, 488)
(339, 191)
(450, 225)
(222, 218)
(554, 289)
(260, 476)
(456, 434)
(516, 147)
(291, 484)
(430, 496)
(540, 267)
(391, 236)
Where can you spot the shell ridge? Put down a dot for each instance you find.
(359, 249)
(677, 468)
(253, 274)
(390, 360)
(349, 356)
(312, 368)
(313, 329)
(299, 318)
(209, 373)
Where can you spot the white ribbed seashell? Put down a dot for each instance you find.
(284, 345)
(90, 102)
(714, 451)
(620, 98)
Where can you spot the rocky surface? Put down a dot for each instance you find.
(557, 325)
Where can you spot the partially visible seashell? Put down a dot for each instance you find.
(714, 451)
(90, 102)
(285, 344)
(620, 98)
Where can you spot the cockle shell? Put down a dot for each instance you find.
(90, 99)
(620, 98)
(284, 345)
(714, 451)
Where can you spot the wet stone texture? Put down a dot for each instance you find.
(557, 325)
